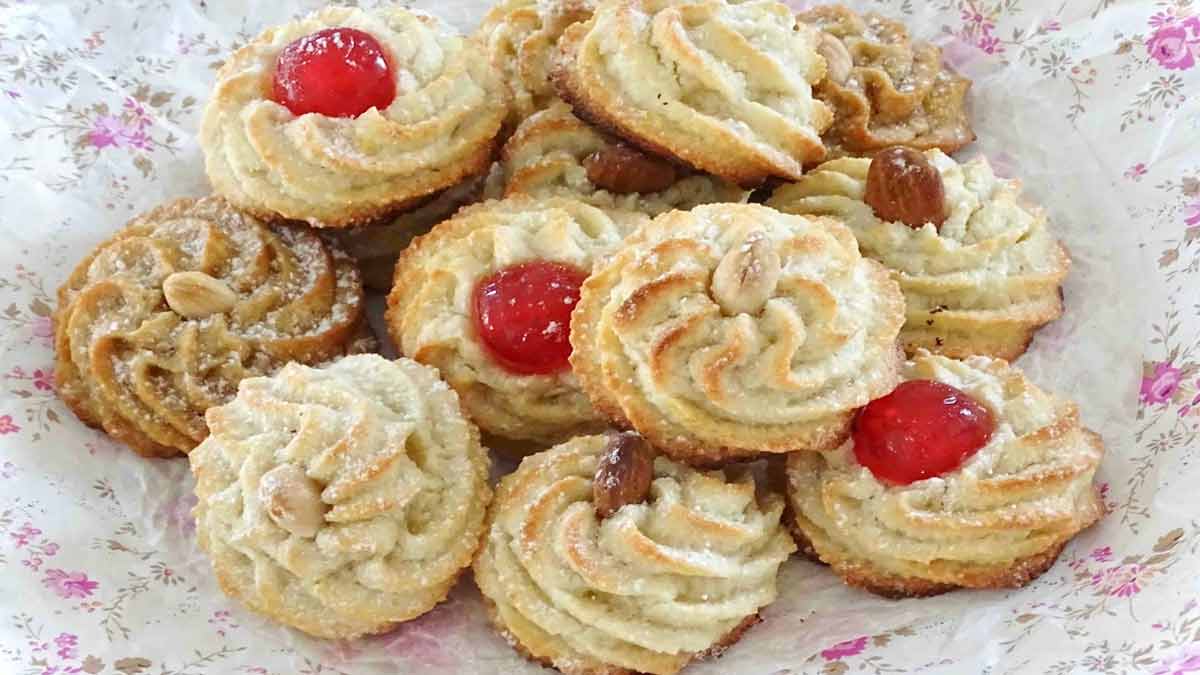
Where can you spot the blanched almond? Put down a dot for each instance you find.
(292, 500)
(197, 295)
(747, 276)
(837, 59)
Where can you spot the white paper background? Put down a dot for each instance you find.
(99, 102)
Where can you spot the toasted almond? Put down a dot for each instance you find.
(197, 295)
(838, 62)
(747, 276)
(292, 500)
(902, 186)
(624, 473)
(622, 169)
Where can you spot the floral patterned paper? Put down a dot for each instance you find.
(1095, 104)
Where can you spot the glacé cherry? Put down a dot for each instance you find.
(922, 429)
(522, 314)
(336, 72)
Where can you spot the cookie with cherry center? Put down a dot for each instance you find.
(487, 296)
(968, 475)
(342, 118)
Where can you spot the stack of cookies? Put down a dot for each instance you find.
(560, 209)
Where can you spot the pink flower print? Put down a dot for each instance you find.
(1120, 582)
(138, 139)
(971, 16)
(106, 132)
(1161, 386)
(69, 584)
(14, 95)
(223, 621)
(1191, 214)
(989, 44)
(1175, 45)
(129, 130)
(1193, 405)
(43, 330)
(67, 645)
(1186, 659)
(134, 107)
(24, 534)
(7, 426)
(1160, 19)
(1051, 26)
(43, 379)
(1102, 554)
(1135, 172)
(93, 41)
(846, 648)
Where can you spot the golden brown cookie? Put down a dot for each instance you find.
(884, 88)
(723, 87)
(440, 128)
(163, 320)
(521, 37)
(997, 521)
(733, 329)
(679, 569)
(344, 499)
(434, 317)
(982, 281)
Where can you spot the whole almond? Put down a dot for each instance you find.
(903, 186)
(621, 169)
(837, 58)
(197, 295)
(747, 276)
(292, 500)
(624, 473)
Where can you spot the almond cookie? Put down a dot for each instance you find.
(162, 321)
(521, 37)
(884, 89)
(348, 115)
(344, 499)
(555, 153)
(601, 558)
(733, 329)
(992, 514)
(487, 297)
(979, 269)
(723, 87)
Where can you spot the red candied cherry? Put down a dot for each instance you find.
(336, 72)
(922, 429)
(523, 315)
